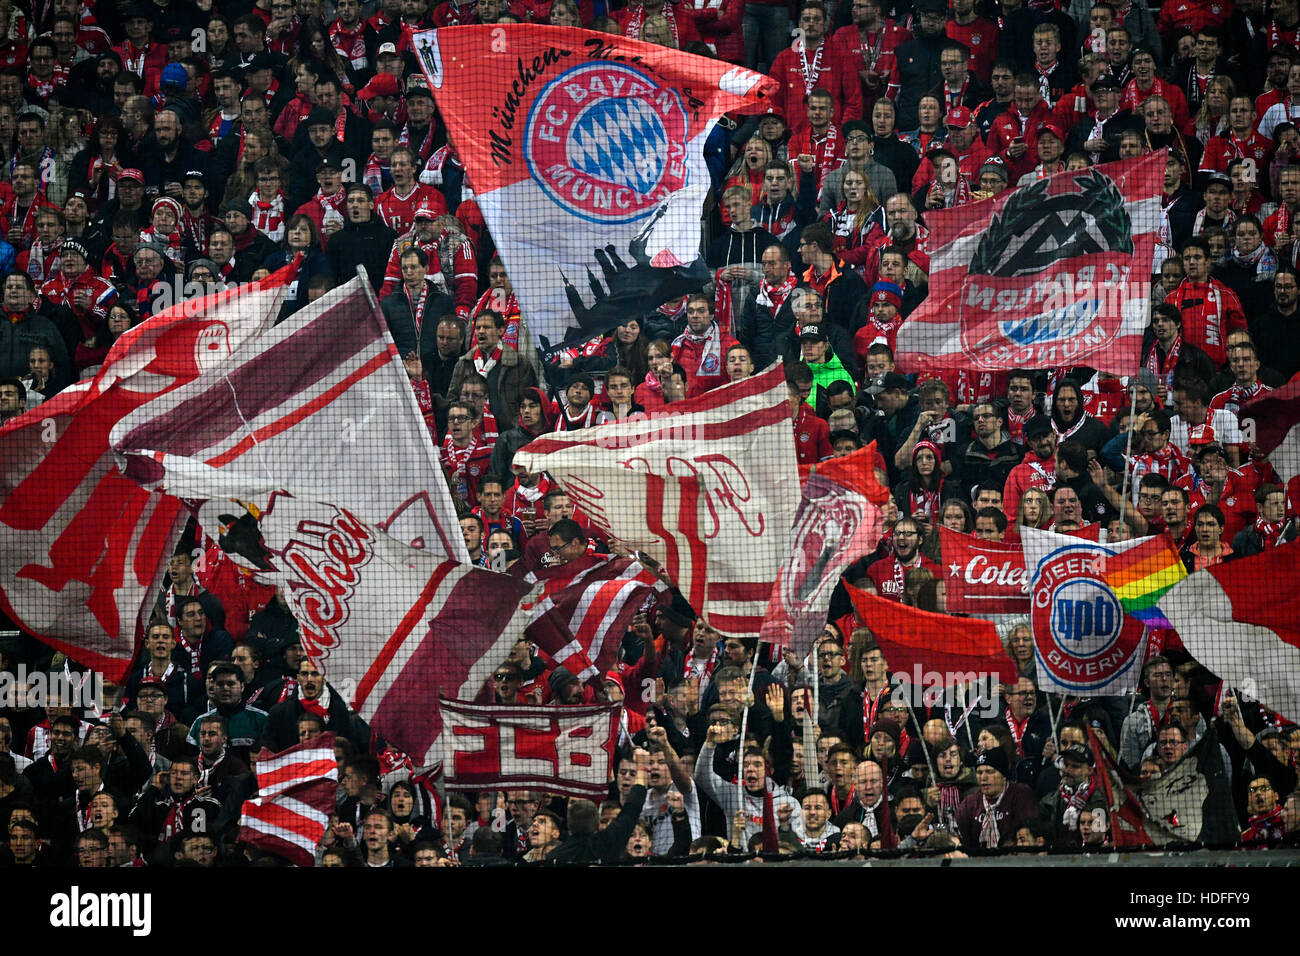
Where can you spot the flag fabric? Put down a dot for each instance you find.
(306, 762)
(924, 643)
(296, 790)
(1275, 419)
(1141, 576)
(586, 154)
(1127, 818)
(83, 548)
(1191, 802)
(1246, 637)
(709, 490)
(390, 625)
(1050, 274)
(581, 613)
(321, 407)
(566, 751)
(984, 577)
(1084, 643)
(838, 521)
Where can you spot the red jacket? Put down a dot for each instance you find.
(705, 368)
(884, 574)
(719, 26)
(1032, 472)
(1210, 311)
(1221, 150)
(856, 56)
(832, 72)
(812, 437)
(1007, 128)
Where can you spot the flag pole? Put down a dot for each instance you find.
(1128, 449)
(744, 722)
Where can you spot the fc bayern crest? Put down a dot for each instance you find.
(1083, 638)
(604, 142)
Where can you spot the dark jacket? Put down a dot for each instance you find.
(282, 721)
(1015, 807)
(607, 845)
(506, 381)
(975, 464)
(362, 244)
(17, 339)
(401, 322)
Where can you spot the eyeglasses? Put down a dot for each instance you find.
(457, 418)
(829, 656)
(501, 678)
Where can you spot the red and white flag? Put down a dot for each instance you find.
(708, 489)
(1050, 274)
(389, 625)
(83, 548)
(838, 521)
(321, 407)
(1273, 419)
(586, 151)
(983, 577)
(1242, 621)
(585, 608)
(296, 790)
(560, 750)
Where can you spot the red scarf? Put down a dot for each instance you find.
(1264, 829)
(870, 708)
(924, 502)
(633, 28)
(772, 297)
(1017, 731)
(1270, 534)
(482, 364)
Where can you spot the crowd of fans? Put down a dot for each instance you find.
(154, 150)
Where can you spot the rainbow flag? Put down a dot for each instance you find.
(1141, 575)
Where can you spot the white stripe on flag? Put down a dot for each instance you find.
(1285, 458)
(612, 612)
(284, 834)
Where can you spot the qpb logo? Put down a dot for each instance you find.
(1083, 638)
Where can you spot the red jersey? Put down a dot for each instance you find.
(980, 36)
(876, 52)
(398, 212)
(1223, 149)
(1210, 311)
(827, 150)
(812, 437)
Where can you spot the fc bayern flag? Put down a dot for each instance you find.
(1084, 642)
(586, 155)
(83, 548)
(1054, 273)
(567, 751)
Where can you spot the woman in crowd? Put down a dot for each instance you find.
(94, 169)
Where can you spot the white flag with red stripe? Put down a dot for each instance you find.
(83, 548)
(584, 609)
(321, 407)
(296, 790)
(1054, 273)
(708, 488)
(1241, 620)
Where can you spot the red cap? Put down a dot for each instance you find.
(131, 174)
(381, 84)
(958, 116)
(1054, 129)
(425, 212)
(1200, 435)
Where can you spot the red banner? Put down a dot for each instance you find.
(1054, 273)
(983, 577)
(561, 750)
